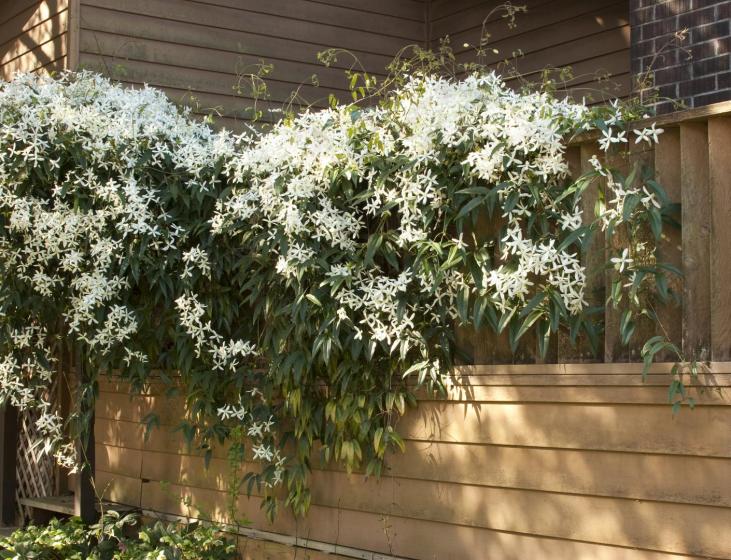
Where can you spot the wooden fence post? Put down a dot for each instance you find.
(84, 495)
(8, 461)
(667, 173)
(696, 220)
(719, 161)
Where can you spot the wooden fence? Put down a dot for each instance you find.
(525, 461)
(570, 460)
(692, 163)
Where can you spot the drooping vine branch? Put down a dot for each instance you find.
(303, 283)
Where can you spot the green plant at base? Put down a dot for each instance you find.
(108, 540)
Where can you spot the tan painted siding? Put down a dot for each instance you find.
(33, 36)
(197, 50)
(591, 37)
(576, 461)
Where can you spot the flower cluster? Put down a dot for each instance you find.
(320, 263)
(85, 179)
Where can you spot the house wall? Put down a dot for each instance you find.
(590, 37)
(33, 36)
(198, 51)
(581, 461)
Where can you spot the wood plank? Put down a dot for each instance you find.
(348, 18)
(544, 26)
(74, 33)
(117, 49)
(589, 426)
(198, 81)
(588, 56)
(579, 369)
(29, 18)
(116, 384)
(635, 428)
(719, 141)
(119, 460)
(450, 17)
(12, 8)
(623, 161)
(408, 9)
(29, 40)
(594, 380)
(667, 173)
(648, 395)
(227, 18)
(678, 479)
(592, 258)
(696, 220)
(609, 521)
(8, 462)
(403, 537)
(463, 503)
(196, 34)
(48, 55)
(483, 345)
(119, 489)
(567, 351)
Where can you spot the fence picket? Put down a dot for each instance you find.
(719, 140)
(667, 173)
(696, 209)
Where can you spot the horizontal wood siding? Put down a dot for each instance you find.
(198, 51)
(33, 36)
(591, 37)
(577, 461)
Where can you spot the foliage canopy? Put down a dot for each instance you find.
(300, 286)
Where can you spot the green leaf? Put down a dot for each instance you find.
(534, 302)
(626, 326)
(374, 242)
(573, 237)
(630, 203)
(313, 299)
(469, 207)
(655, 219)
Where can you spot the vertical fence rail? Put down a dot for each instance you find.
(667, 173)
(8, 462)
(719, 160)
(692, 161)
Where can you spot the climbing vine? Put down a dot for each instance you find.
(302, 284)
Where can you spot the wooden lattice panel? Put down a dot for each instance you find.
(35, 469)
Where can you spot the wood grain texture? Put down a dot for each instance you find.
(205, 47)
(667, 173)
(696, 220)
(592, 258)
(574, 460)
(719, 142)
(590, 37)
(33, 36)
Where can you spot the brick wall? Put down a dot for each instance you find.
(695, 71)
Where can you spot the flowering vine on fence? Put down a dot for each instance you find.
(303, 282)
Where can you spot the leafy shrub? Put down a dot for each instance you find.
(305, 282)
(72, 540)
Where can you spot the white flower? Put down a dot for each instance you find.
(597, 165)
(648, 135)
(622, 262)
(608, 138)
